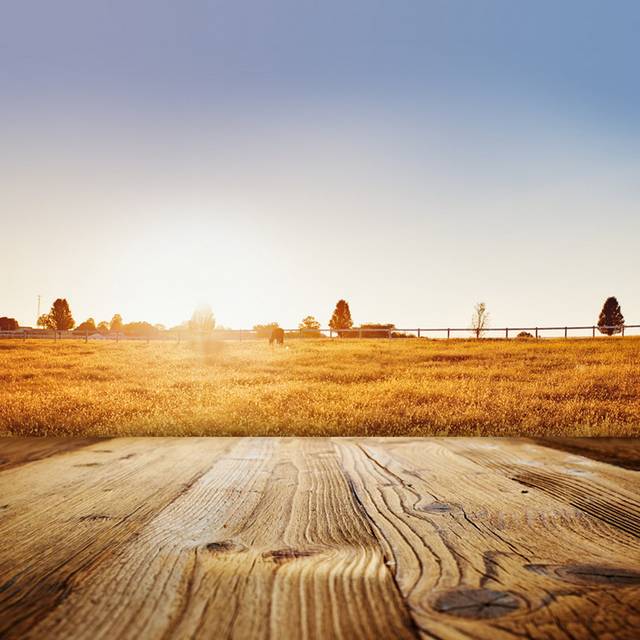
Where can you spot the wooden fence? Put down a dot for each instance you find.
(353, 333)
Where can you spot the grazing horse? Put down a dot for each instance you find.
(277, 335)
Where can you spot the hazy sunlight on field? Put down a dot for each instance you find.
(322, 387)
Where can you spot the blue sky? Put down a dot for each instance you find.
(414, 157)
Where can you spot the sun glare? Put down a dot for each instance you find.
(184, 265)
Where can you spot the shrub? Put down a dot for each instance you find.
(8, 324)
(264, 330)
(376, 330)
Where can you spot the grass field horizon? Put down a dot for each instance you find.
(552, 387)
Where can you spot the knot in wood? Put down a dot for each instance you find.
(476, 603)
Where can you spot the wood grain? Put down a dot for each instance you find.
(623, 452)
(603, 491)
(17, 451)
(65, 514)
(316, 538)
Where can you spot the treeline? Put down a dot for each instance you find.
(60, 319)
(610, 322)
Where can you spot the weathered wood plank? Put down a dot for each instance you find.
(267, 543)
(601, 490)
(476, 555)
(64, 514)
(313, 538)
(16, 451)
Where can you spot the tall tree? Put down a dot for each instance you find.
(202, 319)
(341, 318)
(611, 319)
(479, 319)
(116, 323)
(43, 321)
(60, 317)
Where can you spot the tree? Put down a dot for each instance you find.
(116, 323)
(43, 321)
(341, 318)
(88, 326)
(309, 327)
(480, 319)
(60, 318)
(202, 320)
(139, 329)
(611, 319)
(8, 324)
(103, 327)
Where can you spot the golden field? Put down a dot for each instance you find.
(580, 387)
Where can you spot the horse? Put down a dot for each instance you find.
(277, 336)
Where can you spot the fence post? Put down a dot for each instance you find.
(536, 332)
(360, 333)
(565, 332)
(593, 331)
(331, 333)
(506, 333)
(448, 333)
(418, 332)
(86, 336)
(622, 331)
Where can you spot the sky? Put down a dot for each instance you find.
(414, 157)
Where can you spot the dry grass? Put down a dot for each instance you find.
(371, 387)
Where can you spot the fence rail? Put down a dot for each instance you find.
(354, 332)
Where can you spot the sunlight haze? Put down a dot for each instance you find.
(413, 158)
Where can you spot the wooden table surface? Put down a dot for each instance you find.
(319, 538)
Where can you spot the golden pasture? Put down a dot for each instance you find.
(322, 387)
